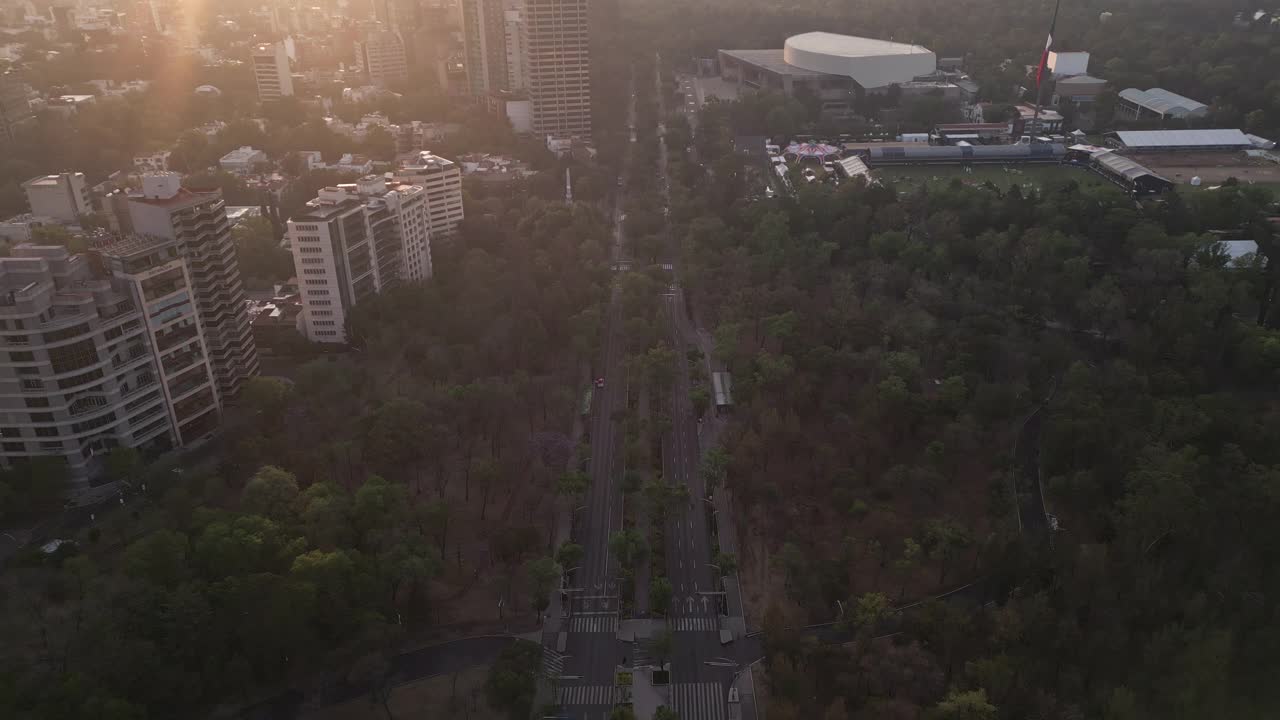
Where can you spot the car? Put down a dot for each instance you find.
(599, 382)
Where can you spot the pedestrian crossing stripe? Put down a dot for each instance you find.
(696, 624)
(587, 695)
(594, 623)
(552, 662)
(699, 701)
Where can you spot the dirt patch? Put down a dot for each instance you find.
(460, 698)
(1211, 168)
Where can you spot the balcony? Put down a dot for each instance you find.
(171, 340)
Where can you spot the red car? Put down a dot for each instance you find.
(600, 382)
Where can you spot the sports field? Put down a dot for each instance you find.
(1002, 176)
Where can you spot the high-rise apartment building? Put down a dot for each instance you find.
(382, 57)
(558, 67)
(484, 38)
(15, 108)
(197, 221)
(354, 241)
(514, 36)
(441, 181)
(271, 71)
(64, 197)
(98, 353)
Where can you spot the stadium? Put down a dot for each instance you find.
(833, 67)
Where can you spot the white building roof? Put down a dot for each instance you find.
(872, 63)
(1182, 138)
(241, 155)
(1236, 249)
(1162, 101)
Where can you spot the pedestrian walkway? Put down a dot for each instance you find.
(552, 662)
(593, 623)
(695, 624)
(699, 701)
(587, 695)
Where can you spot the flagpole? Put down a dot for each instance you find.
(1044, 60)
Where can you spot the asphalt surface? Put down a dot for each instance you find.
(592, 649)
(701, 667)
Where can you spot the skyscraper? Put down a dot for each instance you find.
(100, 352)
(15, 108)
(352, 242)
(514, 33)
(197, 220)
(271, 71)
(558, 66)
(484, 38)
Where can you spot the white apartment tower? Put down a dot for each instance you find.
(382, 57)
(558, 67)
(100, 352)
(441, 180)
(63, 197)
(354, 241)
(271, 71)
(197, 221)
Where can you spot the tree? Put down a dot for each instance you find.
(512, 682)
(727, 562)
(627, 546)
(661, 645)
(970, 705)
(160, 558)
(665, 713)
(371, 671)
(660, 595)
(122, 463)
(266, 398)
(573, 485)
(622, 712)
(271, 492)
(543, 573)
(569, 555)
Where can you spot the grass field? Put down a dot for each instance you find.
(1036, 176)
(1002, 176)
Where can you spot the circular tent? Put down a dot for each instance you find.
(811, 151)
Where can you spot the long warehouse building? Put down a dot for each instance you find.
(1179, 140)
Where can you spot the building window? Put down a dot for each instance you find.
(46, 432)
(76, 356)
(322, 313)
(326, 323)
(15, 447)
(312, 261)
(32, 384)
(316, 282)
(41, 417)
(51, 445)
(38, 402)
(313, 271)
(327, 333)
(22, 357)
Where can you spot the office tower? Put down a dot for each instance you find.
(558, 67)
(441, 180)
(382, 57)
(271, 71)
(352, 242)
(514, 21)
(197, 220)
(15, 109)
(484, 28)
(63, 197)
(98, 353)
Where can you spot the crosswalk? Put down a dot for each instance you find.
(592, 623)
(699, 701)
(552, 662)
(587, 695)
(693, 623)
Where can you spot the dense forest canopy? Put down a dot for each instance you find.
(888, 346)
